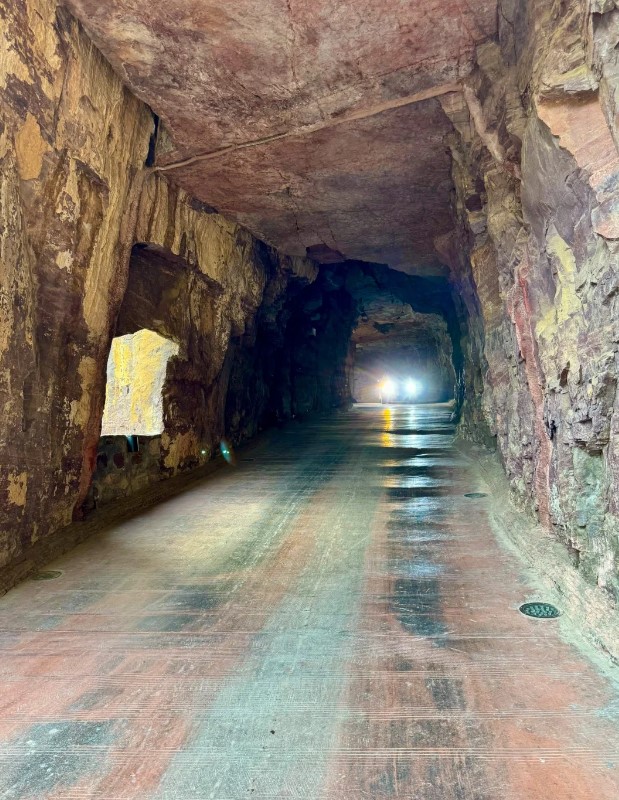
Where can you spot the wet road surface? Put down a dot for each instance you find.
(331, 619)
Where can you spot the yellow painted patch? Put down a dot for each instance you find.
(30, 147)
(17, 488)
(136, 372)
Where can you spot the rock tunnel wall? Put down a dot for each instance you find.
(75, 199)
(294, 359)
(534, 261)
(282, 356)
(71, 145)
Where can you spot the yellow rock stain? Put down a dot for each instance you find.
(566, 301)
(558, 329)
(80, 409)
(30, 147)
(179, 448)
(17, 488)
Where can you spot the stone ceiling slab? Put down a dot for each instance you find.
(221, 75)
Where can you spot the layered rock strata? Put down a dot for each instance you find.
(536, 172)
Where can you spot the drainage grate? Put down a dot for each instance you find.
(475, 495)
(540, 610)
(47, 576)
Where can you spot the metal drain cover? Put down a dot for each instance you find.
(475, 495)
(49, 575)
(540, 610)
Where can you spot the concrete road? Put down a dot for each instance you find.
(330, 619)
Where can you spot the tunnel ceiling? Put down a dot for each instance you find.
(387, 322)
(222, 75)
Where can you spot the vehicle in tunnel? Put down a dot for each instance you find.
(399, 389)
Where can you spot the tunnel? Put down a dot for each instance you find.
(309, 358)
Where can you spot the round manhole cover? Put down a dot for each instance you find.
(540, 610)
(48, 575)
(475, 495)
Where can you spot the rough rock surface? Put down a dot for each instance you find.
(72, 140)
(74, 198)
(223, 75)
(537, 173)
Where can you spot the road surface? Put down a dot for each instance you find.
(332, 619)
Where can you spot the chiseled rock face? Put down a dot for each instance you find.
(294, 359)
(538, 215)
(71, 142)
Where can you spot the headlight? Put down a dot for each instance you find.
(389, 387)
(412, 387)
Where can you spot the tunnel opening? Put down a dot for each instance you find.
(406, 332)
(401, 355)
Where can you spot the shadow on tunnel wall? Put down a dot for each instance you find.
(290, 358)
(294, 360)
(298, 354)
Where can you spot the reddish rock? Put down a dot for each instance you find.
(376, 189)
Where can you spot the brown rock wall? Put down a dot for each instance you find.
(72, 139)
(74, 198)
(536, 205)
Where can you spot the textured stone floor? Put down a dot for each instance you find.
(331, 619)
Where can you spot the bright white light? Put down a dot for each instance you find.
(412, 387)
(389, 387)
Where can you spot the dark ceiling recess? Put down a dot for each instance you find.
(324, 254)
